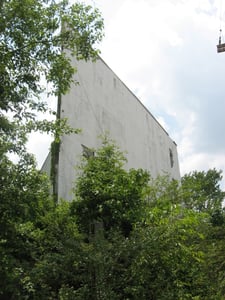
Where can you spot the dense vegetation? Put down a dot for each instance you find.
(125, 235)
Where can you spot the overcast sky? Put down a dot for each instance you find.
(165, 52)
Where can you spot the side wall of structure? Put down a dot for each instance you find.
(102, 103)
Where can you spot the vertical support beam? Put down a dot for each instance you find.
(55, 146)
(55, 149)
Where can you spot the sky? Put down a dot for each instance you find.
(165, 52)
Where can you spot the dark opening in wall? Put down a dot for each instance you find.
(87, 152)
(171, 158)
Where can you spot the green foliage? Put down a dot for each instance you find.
(162, 256)
(125, 235)
(33, 35)
(108, 194)
(42, 255)
(31, 41)
(24, 194)
(22, 186)
(59, 267)
(201, 190)
(169, 261)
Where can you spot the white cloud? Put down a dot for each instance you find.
(186, 145)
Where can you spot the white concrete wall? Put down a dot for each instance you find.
(100, 103)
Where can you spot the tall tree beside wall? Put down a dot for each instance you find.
(24, 194)
(201, 191)
(162, 255)
(108, 194)
(31, 39)
(109, 203)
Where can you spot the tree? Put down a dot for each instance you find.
(169, 260)
(108, 194)
(33, 34)
(201, 190)
(125, 236)
(60, 269)
(42, 254)
(24, 194)
(161, 255)
(37, 39)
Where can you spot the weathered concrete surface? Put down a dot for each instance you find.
(102, 103)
